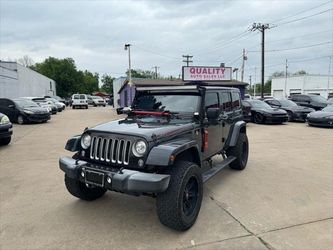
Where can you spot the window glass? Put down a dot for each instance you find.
(76, 97)
(82, 97)
(235, 100)
(211, 100)
(225, 100)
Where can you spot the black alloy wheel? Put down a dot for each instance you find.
(190, 196)
(258, 118)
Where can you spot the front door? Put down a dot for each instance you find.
(214, 128)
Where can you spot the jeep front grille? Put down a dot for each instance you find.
(108, 150)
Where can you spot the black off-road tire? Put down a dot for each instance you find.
(5, 141)
(240, 151)
(81, 191)
(172, 206)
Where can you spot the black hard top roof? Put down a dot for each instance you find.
(183, 87)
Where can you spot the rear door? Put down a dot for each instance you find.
(227, 113)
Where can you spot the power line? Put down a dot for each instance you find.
(304, 47)
(156, 53)
(306, 17)
(301, 12)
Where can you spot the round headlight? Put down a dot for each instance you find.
(85, 141)
(139, 148)
(4, 120)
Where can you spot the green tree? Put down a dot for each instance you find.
(69, 80)
(107, 86)
(63, 71)
(89, 83)
(139, 73)
(300, 72)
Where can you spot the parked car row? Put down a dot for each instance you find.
(30, 109)
(313, 109)
(5, 130)
(83, 101)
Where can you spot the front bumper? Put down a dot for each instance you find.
(6, 130)
(126, 181)
(276, 119)
(38, 117)
(320, 123)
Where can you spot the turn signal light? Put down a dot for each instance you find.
(205, 140)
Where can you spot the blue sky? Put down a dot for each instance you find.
(93, 33)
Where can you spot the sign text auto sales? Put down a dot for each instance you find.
(199, 73)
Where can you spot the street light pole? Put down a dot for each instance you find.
(128, 47)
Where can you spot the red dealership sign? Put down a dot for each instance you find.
(200, 73)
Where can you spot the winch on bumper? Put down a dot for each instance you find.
(126, 181)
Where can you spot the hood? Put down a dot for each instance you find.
(36, 110)
(320, 114)
(145, 130)
(271, 110)
(299, 109)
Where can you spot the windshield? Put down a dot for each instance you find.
(329, 108)
(260, 104)
(25, 103)
(167, 102)
(318, 98)
(287, 103)
(96, 97)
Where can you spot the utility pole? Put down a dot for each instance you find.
(329, 75)
(128, 47)
(255, 81)
(250, 80)
(155, 67)
(235, 70)
(261, 27)
(285, 80)
(244, 58)
(187, 60)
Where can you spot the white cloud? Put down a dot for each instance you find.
(93, 33)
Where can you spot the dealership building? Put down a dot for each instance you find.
(18, 81)
(302, 84)
(124, 92)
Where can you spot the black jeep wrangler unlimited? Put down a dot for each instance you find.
(163, 149)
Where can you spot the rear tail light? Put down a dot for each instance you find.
(205, 140)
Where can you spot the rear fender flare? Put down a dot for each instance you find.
(239, 127)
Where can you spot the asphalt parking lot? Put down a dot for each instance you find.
(282, 200)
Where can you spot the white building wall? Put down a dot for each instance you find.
(8, 82)
(306, 84)
(117, 83)
(27, 83)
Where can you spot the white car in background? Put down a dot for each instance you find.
(79, 100)
(98, 101)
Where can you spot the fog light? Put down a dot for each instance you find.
(140, 163)
(82, 174)
(109, 180)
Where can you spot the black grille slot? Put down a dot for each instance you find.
(110, 150)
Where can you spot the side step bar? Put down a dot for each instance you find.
(217, 168)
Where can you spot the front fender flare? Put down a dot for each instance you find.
(161, 154)
(74, 143)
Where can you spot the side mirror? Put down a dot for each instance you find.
(213, 113)
(124, 110)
